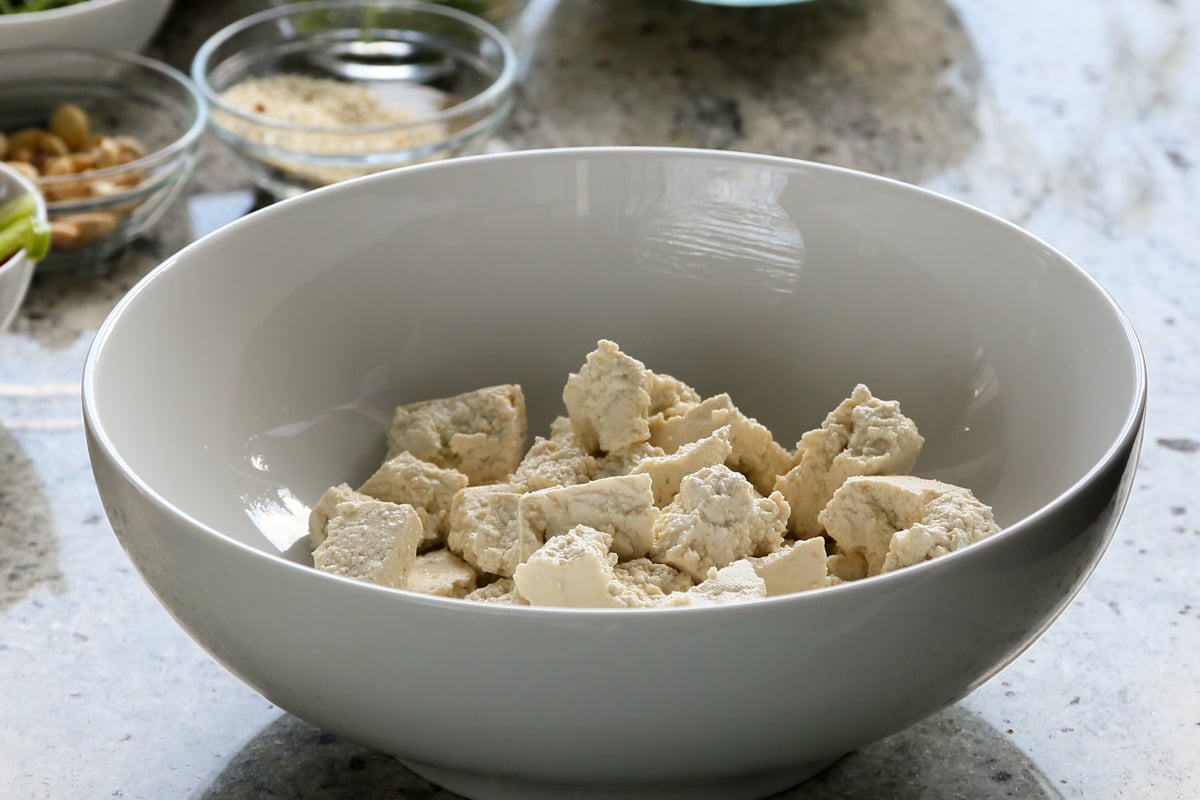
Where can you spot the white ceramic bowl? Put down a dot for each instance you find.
(17, 271)
(101, 24)
(259, 365)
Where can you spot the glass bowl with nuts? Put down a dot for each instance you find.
(314, 93)
(108, 138)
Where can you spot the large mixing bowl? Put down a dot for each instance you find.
(259, 366)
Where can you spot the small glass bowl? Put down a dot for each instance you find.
(95, 213)
(427, 81)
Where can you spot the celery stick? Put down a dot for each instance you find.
(13, 210)
(27, 233)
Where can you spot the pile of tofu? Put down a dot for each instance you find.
(644, 495)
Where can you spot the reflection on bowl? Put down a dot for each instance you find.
(99, 206)
(316, 93)
(433, 280)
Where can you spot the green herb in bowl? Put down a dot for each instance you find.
(26, 6)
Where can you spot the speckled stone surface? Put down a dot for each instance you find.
(1079, 122)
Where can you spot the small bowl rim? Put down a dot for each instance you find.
(496, 90)
(1128, 436)
(78, 9)
(165, 154)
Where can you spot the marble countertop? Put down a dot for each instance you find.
(1081, 124)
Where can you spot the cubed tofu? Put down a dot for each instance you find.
(324, 509)
(501, 592)
(716, 519)
(551, 462)
(572, 570)
(669, 397)
(427, 488)
(481, 434)
(622, 506)
(755, 453)
(608, 400)
(668, 471)
(624, 462)
(484, 529)
(370, 540)
(893, 521)
(794, 567)
(651, 580)
(577, 569)
(441, 573)
(862, 436)
(733, 583)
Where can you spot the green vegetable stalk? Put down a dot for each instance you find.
(21, 230)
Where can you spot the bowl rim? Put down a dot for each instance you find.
(1128, 437)
(166, 154)
(496, 90)
(76, 10)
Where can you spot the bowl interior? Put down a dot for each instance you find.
(260, 365)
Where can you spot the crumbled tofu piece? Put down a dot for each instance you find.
(652, 580)
(843, 567)
(755, 452)
(717, 518)
(502, 591)
(897, 520)
(608, 401)
(622, 506)
(667, 471)
(862, 436)
(554, 462)
(731, 584)
(324, 509)
(577, 569)
(481, 434)
(484, 529)
(669, 397)
(442, 573)
(370, 540)
(427, 488)
(795, 567)
(560, 428)
(573, 569)
(624, 462)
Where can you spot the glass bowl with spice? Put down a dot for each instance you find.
(109, 139)
(314, 93)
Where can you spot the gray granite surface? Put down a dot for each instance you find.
(1078, 121)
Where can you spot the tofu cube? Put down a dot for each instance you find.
(370, 540)
(481, 434)
(441, 573)
(484, 530)
(893, 521)
(668, 471)
(717, 518)
(862, 436)
(426, 487)
(608, 401)
(755, 453)
(795, 567)
(622, 506)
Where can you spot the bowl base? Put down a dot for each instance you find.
(742, 787)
